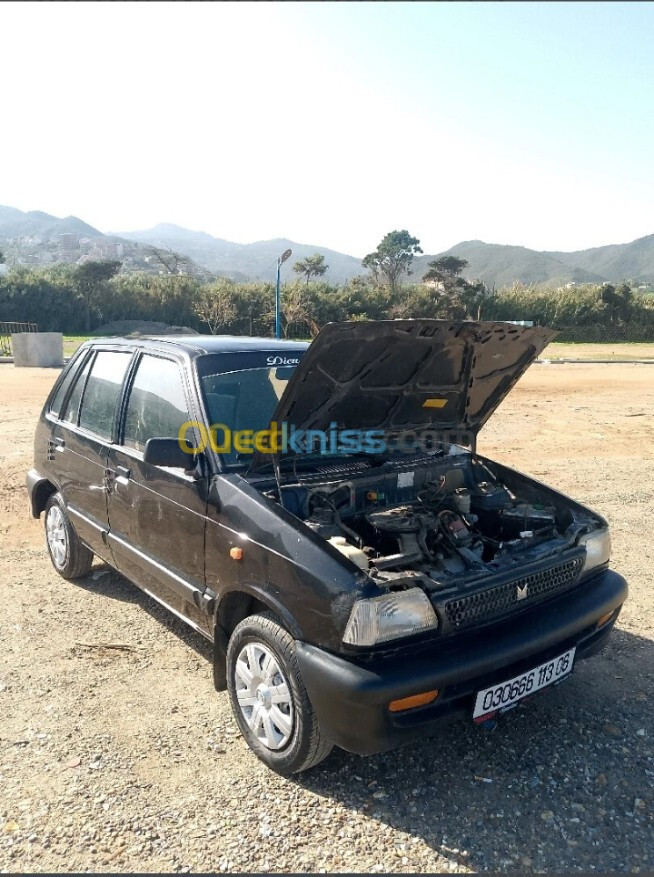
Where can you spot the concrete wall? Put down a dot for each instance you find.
(43, 349)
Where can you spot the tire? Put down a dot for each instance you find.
(70, 557)
(271, 704)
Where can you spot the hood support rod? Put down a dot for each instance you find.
(278, 478)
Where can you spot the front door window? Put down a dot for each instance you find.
(157, 404)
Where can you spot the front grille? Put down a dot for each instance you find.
(485, 605)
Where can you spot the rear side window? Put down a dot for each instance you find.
(157, 404)
(102, 389)
(67, 380)
(72, 406)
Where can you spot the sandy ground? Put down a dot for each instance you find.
(128, 760)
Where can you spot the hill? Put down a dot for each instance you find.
(495, 264)
(617, 261)
(501, 265)
(34, 238)
(36, 224)
(255, 261)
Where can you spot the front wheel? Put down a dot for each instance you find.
(268, 697)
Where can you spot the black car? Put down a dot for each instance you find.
(321, 514)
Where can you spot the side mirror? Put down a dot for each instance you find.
(168, 452)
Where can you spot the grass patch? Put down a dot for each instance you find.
(72, 342)
(616, 351)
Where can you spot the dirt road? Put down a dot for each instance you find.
(126, 759)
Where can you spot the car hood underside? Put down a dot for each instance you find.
(408, 374)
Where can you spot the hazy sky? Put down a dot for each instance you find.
(332, 124)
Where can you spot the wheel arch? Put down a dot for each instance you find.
(232, 608)
(40, 494)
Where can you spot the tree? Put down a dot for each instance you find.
(215, 304)
(255, 308)
(444, 269)
(393, 257)
(618, 301)
(174, 263)
(625, 302)
(91, 278)
(358, 300)
(312, 266)
(457, 297)
(296, 309)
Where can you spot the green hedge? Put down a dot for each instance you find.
(50, 297)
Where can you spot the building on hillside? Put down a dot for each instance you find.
(68, 241)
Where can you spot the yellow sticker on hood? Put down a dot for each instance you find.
(434, 403)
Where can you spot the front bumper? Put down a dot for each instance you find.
(351, 698)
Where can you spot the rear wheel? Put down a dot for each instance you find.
(268, 697)
(70, 557)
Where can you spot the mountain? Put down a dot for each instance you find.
(617, 261)
(37, 239)
(34, 238)
(255, 261)
(36, 224)
(501, 265)
(495, 264)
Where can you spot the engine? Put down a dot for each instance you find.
(447, 524)
(441, 538)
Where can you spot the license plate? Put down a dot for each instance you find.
(503, 696)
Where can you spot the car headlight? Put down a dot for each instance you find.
(598, 548)
(379, 619)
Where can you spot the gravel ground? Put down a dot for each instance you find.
(126, 759)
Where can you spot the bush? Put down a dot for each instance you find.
(50, 298)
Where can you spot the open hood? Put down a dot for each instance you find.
(408, 374)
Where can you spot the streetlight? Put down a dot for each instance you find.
(278, 307)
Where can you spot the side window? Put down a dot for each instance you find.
(72, 407)
(102, 390)
(67, 380)
(157, 404)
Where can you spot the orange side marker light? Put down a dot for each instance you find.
(407, 703)
(604, 619)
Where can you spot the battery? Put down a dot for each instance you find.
(525, 516)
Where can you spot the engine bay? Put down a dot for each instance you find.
(448, 519)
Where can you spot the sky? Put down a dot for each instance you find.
(332, 124)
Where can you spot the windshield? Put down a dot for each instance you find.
(241, 402)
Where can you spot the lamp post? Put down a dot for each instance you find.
(278, 304)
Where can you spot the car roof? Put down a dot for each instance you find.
(198, 344)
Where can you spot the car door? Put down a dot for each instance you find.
(81, 441)
(157, 514)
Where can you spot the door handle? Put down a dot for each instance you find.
(59, 443)
(122, 476)
(114, 477)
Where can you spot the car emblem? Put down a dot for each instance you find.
(521, 593)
